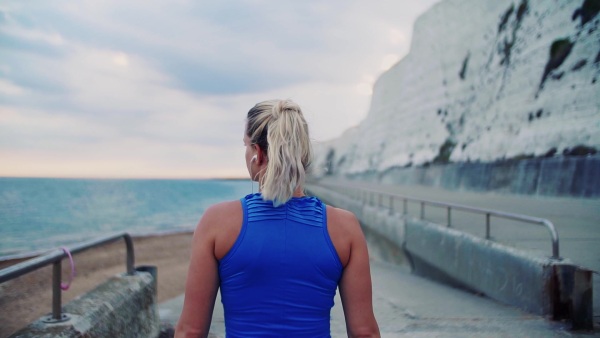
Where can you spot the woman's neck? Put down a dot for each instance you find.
(299, 192)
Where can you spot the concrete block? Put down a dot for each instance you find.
(574, 296)
(536, 284)
(501, 273)
(122, 306)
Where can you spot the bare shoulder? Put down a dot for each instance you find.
(223, 208)
(221, 215)
(222, 223)
(344, 231)
(343, 219)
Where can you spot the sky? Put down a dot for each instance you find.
(160, 89)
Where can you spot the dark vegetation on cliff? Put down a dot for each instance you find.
(505, 48)
(559, 51)
(588, 10)
(445, 152)
(463, 70)
(561, 48)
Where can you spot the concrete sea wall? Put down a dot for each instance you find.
(561, 176)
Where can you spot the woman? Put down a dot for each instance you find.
(278, 255)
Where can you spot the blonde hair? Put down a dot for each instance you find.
(280, 130)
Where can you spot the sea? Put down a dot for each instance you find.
(40, 214)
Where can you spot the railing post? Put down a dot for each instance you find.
(554, 235)
(404, 206)
(422, 210)
(487, 225)
(57, 315)
(130, 259)
(449, 220)
(56, 296)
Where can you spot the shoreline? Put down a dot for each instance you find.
(25, 255)
(26, 298)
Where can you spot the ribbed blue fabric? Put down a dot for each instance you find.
(280, 277)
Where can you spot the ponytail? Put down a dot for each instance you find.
(279, 128)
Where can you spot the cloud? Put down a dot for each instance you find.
(112, 88)
(388, 61)
(7, 88)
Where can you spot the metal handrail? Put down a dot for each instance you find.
(360, 192)
(55, 257)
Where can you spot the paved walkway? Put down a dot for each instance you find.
(411, 306)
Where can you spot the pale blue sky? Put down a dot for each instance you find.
(106, 88)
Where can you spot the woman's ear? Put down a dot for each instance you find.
(260, 156)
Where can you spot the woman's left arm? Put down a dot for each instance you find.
(202, 281)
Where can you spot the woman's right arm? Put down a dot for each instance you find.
(202, 280)
(355, 285)
(214, 236)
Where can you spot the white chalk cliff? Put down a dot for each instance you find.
(483, 81)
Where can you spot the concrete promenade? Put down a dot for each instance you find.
(411, 306)
(576, 220)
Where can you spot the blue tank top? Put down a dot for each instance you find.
(280, 277)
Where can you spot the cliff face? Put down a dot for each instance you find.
(484, 81)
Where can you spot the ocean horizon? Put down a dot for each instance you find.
(41, 214)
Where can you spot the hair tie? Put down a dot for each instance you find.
(65, 286)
